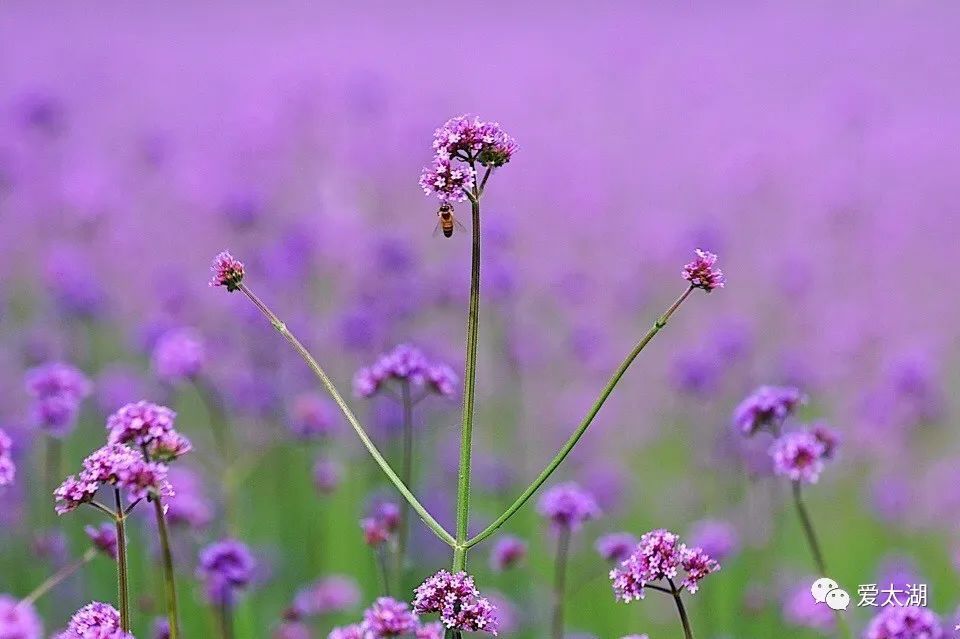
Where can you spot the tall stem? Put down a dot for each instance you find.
(687, 632)
(401, 487)
(123, 594)
(560, 583)
(406, 475)
(381, 557)
(225, 619)
(582, 428)
(58, 578)
(808, 530)
(469, 390)
(170, 583)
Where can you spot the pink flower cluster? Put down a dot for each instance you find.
(95, 621)
(409, 364)
(113, 465)
(469, 141)
(458, 602)
(388, 617)
(799, 456)
(702, 272)
(381, 525)
(911, 622)
(660, 556)
(150, 427)
(7, 468)
(227, 271)
(58, 390)
(568, 506)
(766, 408)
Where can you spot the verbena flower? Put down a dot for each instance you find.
(458, 602)
(466, 137)
(766, 408)
(227, 271)
(568, 506)
(104, 537)
(701, 272)
(719, 539)
(178, 355)
(225, 567)
(660, 556)
(336, 593)
(507, 552)
(354, 631)
(327, 473)
(8, 469)
(57, 390)
(113, 465)
(311, 417)
(798, 455)
(95, 621)
(450, 182)
(388, 617)
(381, 524)
(616, 546)
(19, 621)
(912, 622)
(161, 628)
(433, 630)
(140, 423)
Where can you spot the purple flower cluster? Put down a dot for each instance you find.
(660, 556)
(469, 141)
(507, 553)
(616, 546)
(225, 567)
(353, 631)
(114, 465)
(227, 271)
(798, 455)
(409, 364)
(178, 355)
(95, 621)
(104, 538)
(311, 417)
(57, 390)
(388, 617)
(568, 506)
(19, 621)
(150, 427)
(458, 602)
(910, 622)
(703, 273)
(766, 408)
(381, 524)
(8, 469)
(327, 472)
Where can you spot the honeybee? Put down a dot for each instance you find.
(447, 221)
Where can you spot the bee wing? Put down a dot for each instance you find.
(459, 225)
(436, 229)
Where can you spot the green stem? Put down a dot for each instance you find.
(560, 583)
(381, 558)
(469, 391)
(687, 632)
(406, 476)
(582, 428)
(427, 518)
(123, 594)
(170, 583)
(58, 578)
(225, 619)
(808, 530)
(222, 437)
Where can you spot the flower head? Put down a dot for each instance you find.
(227, 271)
(448, 181)
(467, 138)
(311, 417)
(327, 473)
(910, 622)
(433, 630)
(104, 538)
(766, 408)
(140, 423)
(568, 506)
(178, 355)
(660, 556)
(161, 628)
(7, 468)
(507, 553)
(798, 455)
(58, 390)
(19, 620)
(113, 465)
(616, 546)
(701, 272)
(388, 617)
(95, 621)
(225, 566)
(458, 602)
(407, 364)
(354, 631)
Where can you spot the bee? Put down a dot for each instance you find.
(447, 221)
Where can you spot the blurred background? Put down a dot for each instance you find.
(814, 146)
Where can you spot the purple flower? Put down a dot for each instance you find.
(467, 138)
(388, 617)
(799, 456)
(57, 390)
(448, 181)
(719, 539)
(660, 556)
(95, 621)
(336, 593)
(18, 621)
(441, 379)
(910, 622)
(433, 630)
(225, 566)
(73, 492)
(701, 272)
(104, 538)
(311, 417)
(7, 468)
(354, 631)
(161, 628)
(140, 423)
(227, 271)
(826, 436)
(114, 465)
(766, 408)
(458, 602)
(178, 355)
(567, 506)
(616, 546)
(408, 364)
(507, 553)
(327, 473)
(384, 521)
